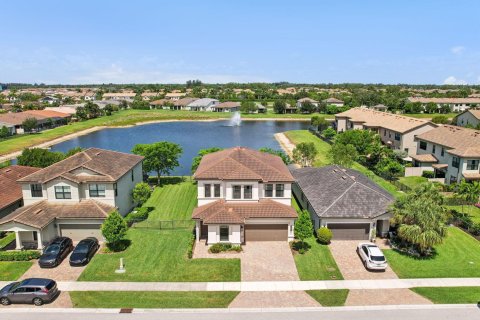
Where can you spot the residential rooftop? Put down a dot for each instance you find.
(462, 142)
(10, 190)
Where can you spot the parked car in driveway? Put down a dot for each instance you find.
(55, 252)
(84, 251)
(372, 256)
(34, 290)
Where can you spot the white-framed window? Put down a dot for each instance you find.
(216, 190)
(208, 190)
(36, 190)
(96, 190)
(237, 192)
(247, 192)
(279, 190)
(63, 192)
(268, 190)
(224, 233)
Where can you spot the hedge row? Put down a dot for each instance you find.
(24, 255)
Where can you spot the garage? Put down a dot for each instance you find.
(350, 231)
(81, 231)
(266, 232)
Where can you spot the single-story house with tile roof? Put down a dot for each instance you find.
(11, 196)
(344, 200)
(228, 106)
(72, 197)
(243, 195)
(204, 104)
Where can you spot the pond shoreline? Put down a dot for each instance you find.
(48, 144)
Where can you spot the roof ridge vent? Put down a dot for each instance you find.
(344, 177)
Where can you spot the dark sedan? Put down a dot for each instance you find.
(83, 252)
(55, 252)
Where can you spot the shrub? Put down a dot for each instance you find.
(141, 192)
(324, 235)
(222, 247)
(114, 229)
(24, 255)
(329, 133)
(137, 215)
(428, 174)
(191, 245)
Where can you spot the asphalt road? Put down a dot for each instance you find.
(392, 313)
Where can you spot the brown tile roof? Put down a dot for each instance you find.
(236, 212)
(428, 157)
(47, 114)
(333, 100)
(109, 165)
(227, 105)
(40, 214)
(10, 190)
(462, 142)
(471, 175)
(241, 163)
(444, 100)
(159, 102)
(307, 99)
(373, 118)
(184, 102)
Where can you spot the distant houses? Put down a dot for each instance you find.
(45, 119)
(334, 102)
(469, 118)
(205, 104)
(455, 104)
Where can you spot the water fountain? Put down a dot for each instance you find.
(235, 120)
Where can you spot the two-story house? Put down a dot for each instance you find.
(453, 152)
(395, 131)
(243, 195)
(205, 104)
(74, 196)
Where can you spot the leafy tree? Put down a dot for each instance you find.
(161, 157)
(431, 107)
(81, 113)
(285, 158)
(305, 153)
(109, 109)
(140, 105)
(388, 168)
(320, 123)
(114, 229)
(141, 192)
(92, 110)
(307, 107)
(441, 119)
(421, 218)
(4, 133)
(196, 160)
(73, 151)
(332, 109)
(40, 158)
(49, 122)
(303, 228)
(29, 124)
(343, 154)
(279, 106)
(248, 107)
(362, 140)
(329, 133)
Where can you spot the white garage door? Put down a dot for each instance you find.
(81, 231)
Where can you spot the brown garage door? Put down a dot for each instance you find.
(81, 231)
(266, 232)
(350, 231)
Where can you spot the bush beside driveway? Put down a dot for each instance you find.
(457, 257)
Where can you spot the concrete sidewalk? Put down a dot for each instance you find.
(265, 285)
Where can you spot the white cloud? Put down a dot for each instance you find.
(457, 49)
(453, 80)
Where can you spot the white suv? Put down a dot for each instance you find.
(372, 256)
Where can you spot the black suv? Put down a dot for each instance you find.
(55, 252)
(34, 290)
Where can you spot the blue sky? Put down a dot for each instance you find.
(401, 41)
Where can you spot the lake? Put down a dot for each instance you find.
(191, 135)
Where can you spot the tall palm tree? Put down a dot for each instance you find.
(469, 192)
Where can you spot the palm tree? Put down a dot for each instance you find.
(469, 192)
(421, 218)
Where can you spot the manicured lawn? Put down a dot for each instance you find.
(472, 211)
(127, 117)
(161, 255)
(329, 298)
(413, 182)
(317, 263)
(5, 241)
(124, 299)
(450, 295)
(457, 257)
(322, 159)
(10, 271)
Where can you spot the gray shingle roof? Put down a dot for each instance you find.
(336, 192)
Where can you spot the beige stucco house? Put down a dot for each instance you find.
(396, 131)
(243, 195)
(73, 197)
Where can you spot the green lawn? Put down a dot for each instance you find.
(124, 118)
(429, 116)
(322, 159)
(472, 211)
(457, 257)
(5, 241)
(317, 263)
(10, 271)
(413, 182)
(450, 295)
(329, 298)
(125, 299)
(156, 255)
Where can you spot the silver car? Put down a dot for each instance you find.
(34, 290)
(372, 256)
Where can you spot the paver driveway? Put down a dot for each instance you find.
(268, 261)
(276, 299)
(63, 272)
(345, 254)
(384, 297)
